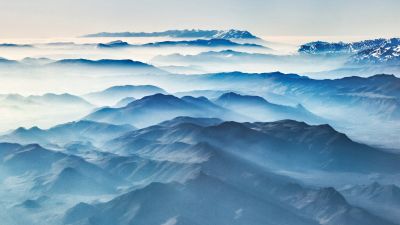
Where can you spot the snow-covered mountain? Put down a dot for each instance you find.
(234, 34)
(226, 34)
(376, 51)
(321, 47)
(388, 52)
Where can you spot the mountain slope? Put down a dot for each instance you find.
(175, 202)
(124, 102)
(375, 193)
(262, 110)
(55, 172)
(382, 200)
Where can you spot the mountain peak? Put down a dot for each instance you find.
(160, 97)
(114, 44)
(331, 195)
(158, 100)
(235, 34)
(232, 96)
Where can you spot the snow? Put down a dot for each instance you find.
(171, 221)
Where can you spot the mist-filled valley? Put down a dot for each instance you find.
(199, 127)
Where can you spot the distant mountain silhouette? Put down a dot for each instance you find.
(114, 94)
(226, 34)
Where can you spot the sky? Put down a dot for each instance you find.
(71, 18)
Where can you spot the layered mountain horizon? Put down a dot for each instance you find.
(199, 127)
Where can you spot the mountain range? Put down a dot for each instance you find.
(169, 166)
(378, 95)
(214, 42)
(230, 106)
(46, 99)
(280, 143)
(215, 56)
(102, 66)
(388, 52)
(156, 108)
(202, 43)
(321, 47)
(376, 51)
(251, 62)
(225, 34)
(221, 167)
(63, 134)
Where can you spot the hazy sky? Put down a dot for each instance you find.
(66, 18)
